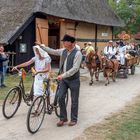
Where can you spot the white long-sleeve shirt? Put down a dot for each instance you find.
(76, 63)
(109, 51)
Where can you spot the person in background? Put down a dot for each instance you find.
(5, 64)
(110, 50)
(69, 76)
(78, 47)
(89, 48)
(83, 51)
(1, 68)
(121, 51)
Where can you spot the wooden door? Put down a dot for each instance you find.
(42, 31)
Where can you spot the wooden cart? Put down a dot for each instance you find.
(128, 67)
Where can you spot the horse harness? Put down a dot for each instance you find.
(107, 66)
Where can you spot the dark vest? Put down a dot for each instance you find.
(69, 65)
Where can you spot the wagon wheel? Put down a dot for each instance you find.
(133, 69)
(125, 73)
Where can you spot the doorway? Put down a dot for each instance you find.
(54, 38)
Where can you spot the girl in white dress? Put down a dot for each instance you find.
(42, 63)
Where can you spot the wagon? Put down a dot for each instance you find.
(129, 66)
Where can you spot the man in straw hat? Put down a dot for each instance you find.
(110, 50)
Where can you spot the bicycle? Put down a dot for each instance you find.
(42, 105)
(14, 97)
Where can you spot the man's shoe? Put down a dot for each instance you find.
(61, 123)
(72, 123)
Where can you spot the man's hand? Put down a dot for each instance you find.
(59, 77)
(14, 68)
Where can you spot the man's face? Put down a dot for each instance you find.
(68, 45)
(110, 43)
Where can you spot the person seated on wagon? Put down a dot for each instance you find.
(133, 51)
(110, 50)
(128, 48)
(121, 51)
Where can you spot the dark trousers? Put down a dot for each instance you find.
(74, 86)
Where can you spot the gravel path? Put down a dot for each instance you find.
(96, 103)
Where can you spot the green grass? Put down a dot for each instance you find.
(13, 80)
(124, 125)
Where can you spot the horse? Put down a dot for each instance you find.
(110, 68)
(93, 63)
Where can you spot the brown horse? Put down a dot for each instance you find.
(93, 63)
(110, 68)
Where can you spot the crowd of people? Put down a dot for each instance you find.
(114, 50)
(120, 50)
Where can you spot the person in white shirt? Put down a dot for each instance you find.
(121, 51)
(42, 63)
(77, 47)
(110, 50)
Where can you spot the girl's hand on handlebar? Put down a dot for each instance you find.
(14, 68)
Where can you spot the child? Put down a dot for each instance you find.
(42, 63)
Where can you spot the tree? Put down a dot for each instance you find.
(129, 12)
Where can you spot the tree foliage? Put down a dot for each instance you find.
(129, 12)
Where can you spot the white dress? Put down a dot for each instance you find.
(121, 54)
(38, 81)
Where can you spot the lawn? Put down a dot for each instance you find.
(124, 125)
(13, 80)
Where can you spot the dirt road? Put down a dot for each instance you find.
(96, 103)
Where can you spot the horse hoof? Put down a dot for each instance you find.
(105, 84)
(90, 83)
(97, 79)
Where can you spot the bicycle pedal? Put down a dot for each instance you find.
(28, 103)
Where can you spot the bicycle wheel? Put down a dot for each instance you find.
(11, 102)
(36, 114)
(57, 108)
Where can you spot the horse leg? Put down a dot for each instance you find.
(97, 75)
(114, 76)
(91, 76)
(107, 79)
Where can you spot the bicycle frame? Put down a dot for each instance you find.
(47, 96)
(26, 98)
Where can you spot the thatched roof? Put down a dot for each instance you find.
(14, 13)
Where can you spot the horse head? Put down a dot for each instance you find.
(104, 61)
(91, 57)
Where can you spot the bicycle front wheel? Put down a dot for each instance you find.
(36, 114)
(11, 102)
(57, 108)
